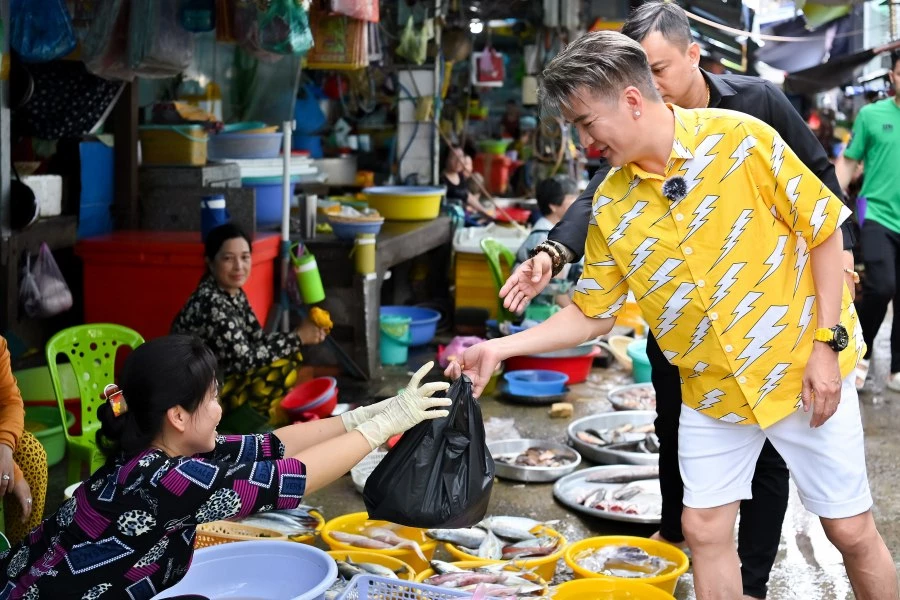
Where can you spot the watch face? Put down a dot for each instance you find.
(841, 338)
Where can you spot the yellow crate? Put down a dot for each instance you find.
(173, 144)
(474, 285)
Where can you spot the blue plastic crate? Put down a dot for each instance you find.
(370, 587)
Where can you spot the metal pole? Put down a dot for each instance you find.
(287, 192)
(5, 158)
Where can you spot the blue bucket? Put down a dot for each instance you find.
(394, 339)
(213, 213)
(263, 569)
(268, 198)
(423, 322)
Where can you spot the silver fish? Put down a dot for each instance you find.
(635, 473)
(541, 546)
(490, 548)
(383, 534)
(516, 529)
(360, 540)
(468, 538)
(440, 567)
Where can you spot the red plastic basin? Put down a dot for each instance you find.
(576, 367)
(313, 399)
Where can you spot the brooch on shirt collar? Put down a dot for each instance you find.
(675, 188)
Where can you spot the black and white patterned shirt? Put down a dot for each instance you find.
(229, 327)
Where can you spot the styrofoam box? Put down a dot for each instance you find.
(48, 192)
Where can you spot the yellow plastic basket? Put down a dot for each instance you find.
(665, 582)
(356, 522)
(173, 144)
(403, 570)
(474, 564)
(544, 566)
(604, 589)
(223, 532)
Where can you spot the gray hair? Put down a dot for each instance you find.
(604, 63)
(667, 18)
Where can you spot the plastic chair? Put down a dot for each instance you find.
(493, 252)
(91, 349)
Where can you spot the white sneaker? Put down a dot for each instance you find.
(894, 382)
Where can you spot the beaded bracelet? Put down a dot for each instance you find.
(552, 252)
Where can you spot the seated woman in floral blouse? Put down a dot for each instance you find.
(128, 532)
(257, 368)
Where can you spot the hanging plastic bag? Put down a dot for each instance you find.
(44, 291)
(440, 473)
(308, 114)
(158, 46)
(41, 30)
(284, 28)
(105, 48)
(490, 66)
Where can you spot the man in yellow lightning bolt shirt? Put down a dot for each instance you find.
(730, 245)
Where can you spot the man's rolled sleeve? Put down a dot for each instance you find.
(799, 198)
(601, 290)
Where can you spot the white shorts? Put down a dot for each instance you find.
(828, 463)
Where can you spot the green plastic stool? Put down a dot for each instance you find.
(91, 349)
(493, 252)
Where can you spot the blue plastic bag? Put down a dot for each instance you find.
(41, 30)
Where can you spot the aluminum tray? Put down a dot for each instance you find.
(569, 487)
(607, 421)
(614, 396)
(532, 474)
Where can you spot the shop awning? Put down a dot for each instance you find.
(834, 73)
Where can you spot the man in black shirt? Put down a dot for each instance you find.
(664, 32)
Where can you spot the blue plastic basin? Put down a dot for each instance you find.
(349, 231)
(535, 383)
(423, 325)
(268, 198)
(641, 370)
(258, 569)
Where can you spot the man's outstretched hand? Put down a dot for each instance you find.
(527, 281)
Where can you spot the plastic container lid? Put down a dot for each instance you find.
(277, 179)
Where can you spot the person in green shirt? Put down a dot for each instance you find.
(876, 144)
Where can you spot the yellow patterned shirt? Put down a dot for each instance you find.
(722, 273)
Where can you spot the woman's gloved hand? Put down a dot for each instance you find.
(410, 407)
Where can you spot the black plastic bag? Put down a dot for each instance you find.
(440, 474)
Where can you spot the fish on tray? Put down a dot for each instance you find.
(626, 475)
(378, 538)
(636, 398)
(624, 434)
(623, 561)
(639, 497)
(492, 580)
(536, 457)
(293, 522)
(499, 538)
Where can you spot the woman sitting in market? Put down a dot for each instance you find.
(128, 531)
(257, 369)
(455, 177)
(23, 461)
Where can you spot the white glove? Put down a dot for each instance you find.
(356, 417)
(410, 407)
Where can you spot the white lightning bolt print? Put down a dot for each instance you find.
(608, 262)
(700, 213)
(805, 318)
(641, 254)
(800, 264)
(586, 285)
(819, 216)
(662, 275)
(614, 307)
(670, 355)
(699, 368)
(710, 399)
(597, 206)
(743, 308)
(790, 191)
(763, 332)
(673, 307)
(679, 149)
(724, 284)
(703, 157)
(778, 146)
(775, 259)
(631, 185)
(732, 418)
(633, 213)
(771, 381)
(740, 154)
(734, 235)
(699, 334)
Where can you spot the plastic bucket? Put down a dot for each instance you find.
(640, 364)
(258, 569)
(308, 279)
(364, 253)
(173, 144)
(395, 338)
(213, 213)
(423, 323)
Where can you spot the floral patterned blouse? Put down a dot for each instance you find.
(128, 532)
(228, 326)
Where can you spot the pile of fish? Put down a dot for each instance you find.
(499, 538)
(635, 492)
(626, 438)
(378, 538)
(639, 397)
(493, 581)
(623, 561)
(292, 522)
(536, 457)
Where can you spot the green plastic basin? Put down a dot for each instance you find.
(43, 423)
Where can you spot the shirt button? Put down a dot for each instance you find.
(713, 316)
(679, 217)
(728, 348)
(701, 283)
(688, 250)
(742, 379)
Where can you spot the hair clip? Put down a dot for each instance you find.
(116, 399)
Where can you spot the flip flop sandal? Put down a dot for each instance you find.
(862, 372)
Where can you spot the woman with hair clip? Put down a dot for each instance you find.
(128, 532)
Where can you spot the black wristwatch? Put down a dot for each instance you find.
(836, 337)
